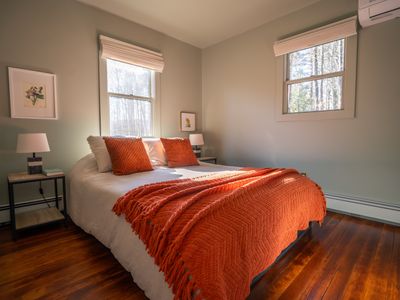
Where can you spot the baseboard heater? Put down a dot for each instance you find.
(364, 208)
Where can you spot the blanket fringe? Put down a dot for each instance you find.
(173, 267)
(142, 204)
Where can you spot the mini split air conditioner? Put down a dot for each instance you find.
(371, 12)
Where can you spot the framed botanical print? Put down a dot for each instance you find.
(188, 121)
(33, 94)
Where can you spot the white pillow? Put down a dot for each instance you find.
(99, 149)
(153, 146)
(155, 150)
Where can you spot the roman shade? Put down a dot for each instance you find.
(131, 54)
(335, 31)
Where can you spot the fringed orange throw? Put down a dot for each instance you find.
(212, 235)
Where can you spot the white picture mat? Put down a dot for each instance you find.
(19, 79)
(192, 120)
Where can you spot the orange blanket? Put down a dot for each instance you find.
(212, 235)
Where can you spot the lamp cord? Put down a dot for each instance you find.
(42, 193)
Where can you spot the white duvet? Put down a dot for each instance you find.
(92, 196)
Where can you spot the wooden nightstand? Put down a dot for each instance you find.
(208, 159)
(29, 219)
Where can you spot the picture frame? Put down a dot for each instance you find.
(33, 94)
(188, 121)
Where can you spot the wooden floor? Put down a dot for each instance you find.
(347, 258)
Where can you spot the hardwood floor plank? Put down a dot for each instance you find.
(345, 264)
(356, 283)
(310, 269)
(322, 266)
(342, 250)
(65, 263)
(346, 258)
(281, 276)
(380, 276)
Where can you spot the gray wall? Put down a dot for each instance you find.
(61, 37)
(355, 157)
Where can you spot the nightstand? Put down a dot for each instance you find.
(34, 218)
(208, 159)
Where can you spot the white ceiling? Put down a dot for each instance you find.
(201, 23)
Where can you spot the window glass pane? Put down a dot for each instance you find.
(315, 95)
(319, 60)
(130, 117)
(128, 79)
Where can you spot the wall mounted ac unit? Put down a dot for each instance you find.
(371, 12)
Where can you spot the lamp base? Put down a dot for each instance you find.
(35, 165)
(197, 153)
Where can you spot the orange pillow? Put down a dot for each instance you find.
(179, 153)
(128, 155)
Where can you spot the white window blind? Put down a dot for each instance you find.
(335, 31)
(131, 54)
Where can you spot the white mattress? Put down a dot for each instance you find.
(92, 196)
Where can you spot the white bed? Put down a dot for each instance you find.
(92, 196)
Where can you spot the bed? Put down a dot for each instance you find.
(92, 196)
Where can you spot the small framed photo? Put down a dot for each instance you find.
(188, 121)
(33, 95)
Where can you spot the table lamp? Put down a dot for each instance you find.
(196, 140)
(32, 143)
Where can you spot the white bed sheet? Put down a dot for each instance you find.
(92, 196)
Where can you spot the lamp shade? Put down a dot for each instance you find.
(196, 139)
(32, 142)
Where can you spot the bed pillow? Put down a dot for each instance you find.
(99, 149)
(156, 151)
(128, 155)
(179, 152)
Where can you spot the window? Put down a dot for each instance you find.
(130, 96)
(129, 89)
(315, 78)
(317, 73)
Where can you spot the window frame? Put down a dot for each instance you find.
(348, 87)
(105, 100)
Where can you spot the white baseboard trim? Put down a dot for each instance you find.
(356, 206)
(364, 208)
